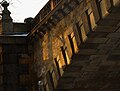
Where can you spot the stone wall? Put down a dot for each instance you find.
(1, 70)
(14, 68)
(15, 65)
(55, 49)
(21, 27)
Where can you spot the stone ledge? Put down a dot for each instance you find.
(12, 40)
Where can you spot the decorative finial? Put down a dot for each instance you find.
(5, 4)
(7, 25)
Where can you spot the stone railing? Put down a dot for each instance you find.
(50, 5)
(43, 12)
(56, 2)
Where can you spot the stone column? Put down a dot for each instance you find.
(95, 11)
(52, 4)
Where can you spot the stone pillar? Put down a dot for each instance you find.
(52, 4)
(95, 11)
(109, 4)
(7, 24)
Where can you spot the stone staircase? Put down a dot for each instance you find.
(96, 67)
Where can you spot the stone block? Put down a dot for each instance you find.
(106, 46)
(66, 86)
(116, 10)
(9, 49)
(115, 68)
(66, 80)
(108, 63)
(1, 69)
(102, 52)
(22, 88)
(1, 48)
(96, 40)
(112, 41)
(10, 68)
(87, 51)
(117, 47)
(98, 57)
(88, 75)
(23, 69)
(24, 79)
(114, 52)
(108, 22)
(1, 88)
(89, 46)
(113, 16)
(22, 49)
(13, 49)
(97, 35)
(80, 63)
(81, 57)
(118, 25)
(105, 29)
(97, 60)
(24, 60)
(1, 60)
(10, 58)
(103, 68)
(10, 88)
(79, 84)
(71, 75)
(10, 79)
(113, 35)
(113, 58)
(112, 74)
(1, 80)
(90, 68)
(118, 30)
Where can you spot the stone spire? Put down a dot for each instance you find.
(7, 24)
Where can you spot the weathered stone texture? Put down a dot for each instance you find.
(82, 48)
(96, 65)
(96, 40)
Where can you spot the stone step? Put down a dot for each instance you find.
(105, 29)
(113, 57)
(96, 67)
(97, 35)
(108, 22)
(87, 51)
(80, 57)
(115, 10)
(114, 35)
(113, 16)
(89, 46)
(96, 40)
(106, 47)
(118, 30)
